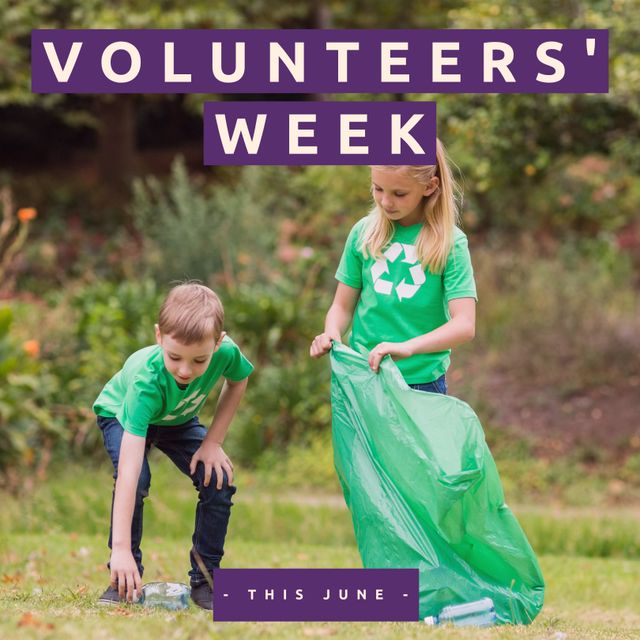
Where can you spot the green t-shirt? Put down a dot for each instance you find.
(143, 392)
(399, 300)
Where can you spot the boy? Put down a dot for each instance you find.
(154, 399)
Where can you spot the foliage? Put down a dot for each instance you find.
(29, 426)
(86, 332)
(195, 230)
(541, 312)
(287, 397)
(14, 229)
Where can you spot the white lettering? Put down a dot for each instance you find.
(400, 133)
(502, 65)
(439, 61)
(343, 49)
(62, 73)
(134, 57)
(387, 61)
(170, 74)
(556, 65)
(216, 63)
(251, 141)
(296, 67)
(295, 133)
(346, 133)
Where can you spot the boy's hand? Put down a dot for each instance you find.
(322, 344)
(213, 458)
(125, 575)
(396, 350)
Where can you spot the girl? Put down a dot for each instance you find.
(405, 277)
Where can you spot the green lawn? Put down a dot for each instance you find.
(49, 585)
(53, 554)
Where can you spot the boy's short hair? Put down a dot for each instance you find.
(191, 313)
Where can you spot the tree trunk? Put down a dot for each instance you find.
(321, 18)
(116, 143)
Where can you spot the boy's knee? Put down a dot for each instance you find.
(212, 487)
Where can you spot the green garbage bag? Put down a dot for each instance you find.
(424, 492)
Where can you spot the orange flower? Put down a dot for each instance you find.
(27, 213)
(31, 348)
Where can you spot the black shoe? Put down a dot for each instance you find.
(202, 596)
(111, 596)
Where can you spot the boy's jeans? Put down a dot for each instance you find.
(437, 386)
(213, 508)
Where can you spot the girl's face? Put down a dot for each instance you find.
(399, 196)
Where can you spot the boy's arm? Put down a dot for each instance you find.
(124, 571)
(210, 452)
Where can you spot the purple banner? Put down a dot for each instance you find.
(247, 595)
(319, 61)
(291, 133)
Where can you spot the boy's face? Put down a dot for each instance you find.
(185, 362)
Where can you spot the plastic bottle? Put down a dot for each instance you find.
(169, 595)
(479, 613)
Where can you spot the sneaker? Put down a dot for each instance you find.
(111, 596)
(202, 596)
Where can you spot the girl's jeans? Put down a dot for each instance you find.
(213, 508)
(437, 386)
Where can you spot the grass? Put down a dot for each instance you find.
(50, 582)
(53, 554)
(270, 513)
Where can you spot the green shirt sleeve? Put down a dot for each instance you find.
(238, 366)
(141, 402)
(458, 274)
(350, 268)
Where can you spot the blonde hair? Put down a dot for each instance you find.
(191, 313)
(441, 215)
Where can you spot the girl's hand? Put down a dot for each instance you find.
(397, 350)
(125, 575)
(322, 344)
(214, 460)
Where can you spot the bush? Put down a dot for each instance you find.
(288, 395)
(568, 320)
(193, 230)
(28, 422)
(89, 332)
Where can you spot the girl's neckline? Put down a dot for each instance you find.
(397, 225)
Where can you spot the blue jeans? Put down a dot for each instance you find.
(213, 508)
(437, 386)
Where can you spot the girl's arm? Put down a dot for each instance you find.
(210, 452)
(337, 321)
(461, 328)
(124, 571)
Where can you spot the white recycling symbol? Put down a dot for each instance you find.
(404, 289)
(194, 401)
